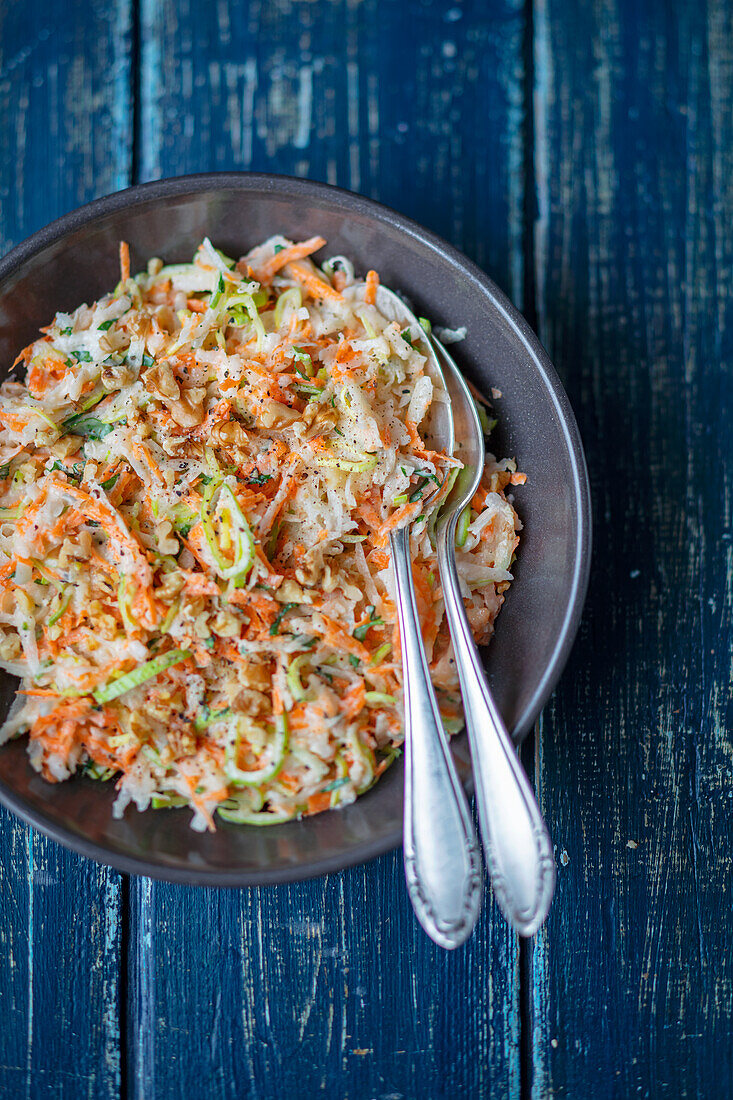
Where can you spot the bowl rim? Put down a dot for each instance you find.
(341, 198)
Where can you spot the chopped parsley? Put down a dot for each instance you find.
(90, 426)
(374, 620)
(74, 474)
(430, 477)
(417, 492)
(334, 786)
(301, 356)
(275, 628)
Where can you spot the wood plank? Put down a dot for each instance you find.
(634, 974)
(65, 137)
(331, 983)
(417, 105)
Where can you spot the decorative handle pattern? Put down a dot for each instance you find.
(441, 850)
(517, 846)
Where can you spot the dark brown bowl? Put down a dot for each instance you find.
(75, 259)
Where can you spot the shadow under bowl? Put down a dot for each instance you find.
(75, 259)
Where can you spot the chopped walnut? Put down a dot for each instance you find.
(117, 375)
(186, 406)
(319, 419)
(291, 592)
(161, 380)
(226, 625)
(10, 647)
(67, 445)
(229, 433)
(276, 415)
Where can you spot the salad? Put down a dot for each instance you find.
(198, 477)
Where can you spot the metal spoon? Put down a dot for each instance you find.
(441, 851)
(517, 846)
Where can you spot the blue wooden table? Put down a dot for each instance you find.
(582, 152)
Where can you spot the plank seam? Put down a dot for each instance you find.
(526, 952)
(529, 294)
(124, 980)
(135, 89)
(125, 985)
(529, 308)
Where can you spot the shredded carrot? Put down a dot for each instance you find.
(24, 355)
(124, 261)
(337, 638)
(354, 700)
(319, 802)
(141, 452)
(286, 256)
(316, 287)
(372, 282)
(45, 374)
(404, 512)
(379, 559)
(268, 415)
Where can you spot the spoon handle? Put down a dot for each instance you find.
(441, 850)
(517, 846)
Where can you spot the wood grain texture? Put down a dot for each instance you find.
(322, 987)
(633, 975)
(417, 104)
(65, 137)
(331, 984)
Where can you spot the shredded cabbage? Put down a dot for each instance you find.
(202, 472)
